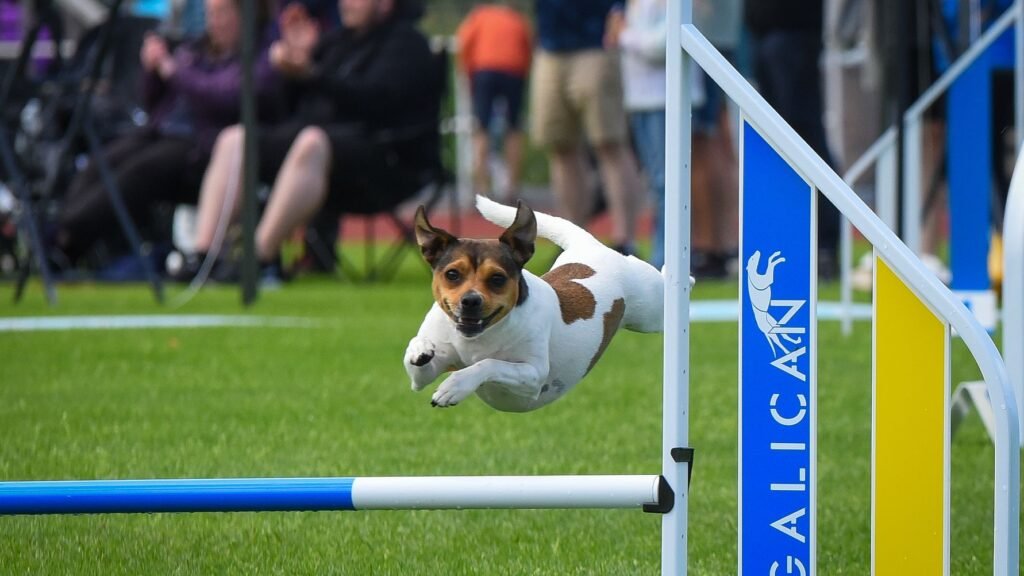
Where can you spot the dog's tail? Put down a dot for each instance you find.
(559, 230)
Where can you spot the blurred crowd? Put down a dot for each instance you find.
(349, 94)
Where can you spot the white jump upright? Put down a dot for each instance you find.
(1013, 284)
(675, 404)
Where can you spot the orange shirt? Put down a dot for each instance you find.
(495, 38)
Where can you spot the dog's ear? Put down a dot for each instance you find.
(432, 241)
(520, 236)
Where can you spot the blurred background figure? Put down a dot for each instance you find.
(715, 191)
(576, 91)
(786, 38)
(190, 94)
(494, 47)
(640, 35)
(364, 131)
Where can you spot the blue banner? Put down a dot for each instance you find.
(777, 391)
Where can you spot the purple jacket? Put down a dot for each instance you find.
(204, 90)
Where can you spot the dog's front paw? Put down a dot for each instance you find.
(420, 352)
(453, 390)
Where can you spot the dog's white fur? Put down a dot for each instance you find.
(531, 357)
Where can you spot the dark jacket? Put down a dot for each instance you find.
(764, 16)
(386, 83)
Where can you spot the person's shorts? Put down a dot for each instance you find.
(490, 88)
(575, 93)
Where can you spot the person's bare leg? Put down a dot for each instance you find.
(934, 147)
(514, 163)
(299, 191)
(216, 181)
(481, 162)
(568, 184)
(727, 192)
(622, 185)
(702, 212)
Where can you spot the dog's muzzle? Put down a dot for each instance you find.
(472, 325)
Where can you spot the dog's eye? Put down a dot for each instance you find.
(452, 275)
(497, 280)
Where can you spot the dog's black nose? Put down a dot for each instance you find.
(472, 301)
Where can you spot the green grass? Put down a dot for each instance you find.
(334, 400)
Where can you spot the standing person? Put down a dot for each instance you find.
(577, 90)
(190, 95)
(640, 34)
(787, 45)
(494, 52)
(715, 187)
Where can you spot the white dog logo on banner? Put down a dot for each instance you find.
(759, 286)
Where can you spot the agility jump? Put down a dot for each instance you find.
(792, 416)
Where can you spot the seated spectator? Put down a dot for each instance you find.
(363, 133)
(190, 94)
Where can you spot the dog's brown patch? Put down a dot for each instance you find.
(575, 301)
(612, 318)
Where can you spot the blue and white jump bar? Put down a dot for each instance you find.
(316, 494)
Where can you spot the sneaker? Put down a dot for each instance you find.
(271, 275)
(707, 266)
(183, 267)
(863, 276)
(731, 261)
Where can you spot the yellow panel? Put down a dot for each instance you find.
(910, 467)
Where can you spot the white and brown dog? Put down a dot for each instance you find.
(519, 341)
